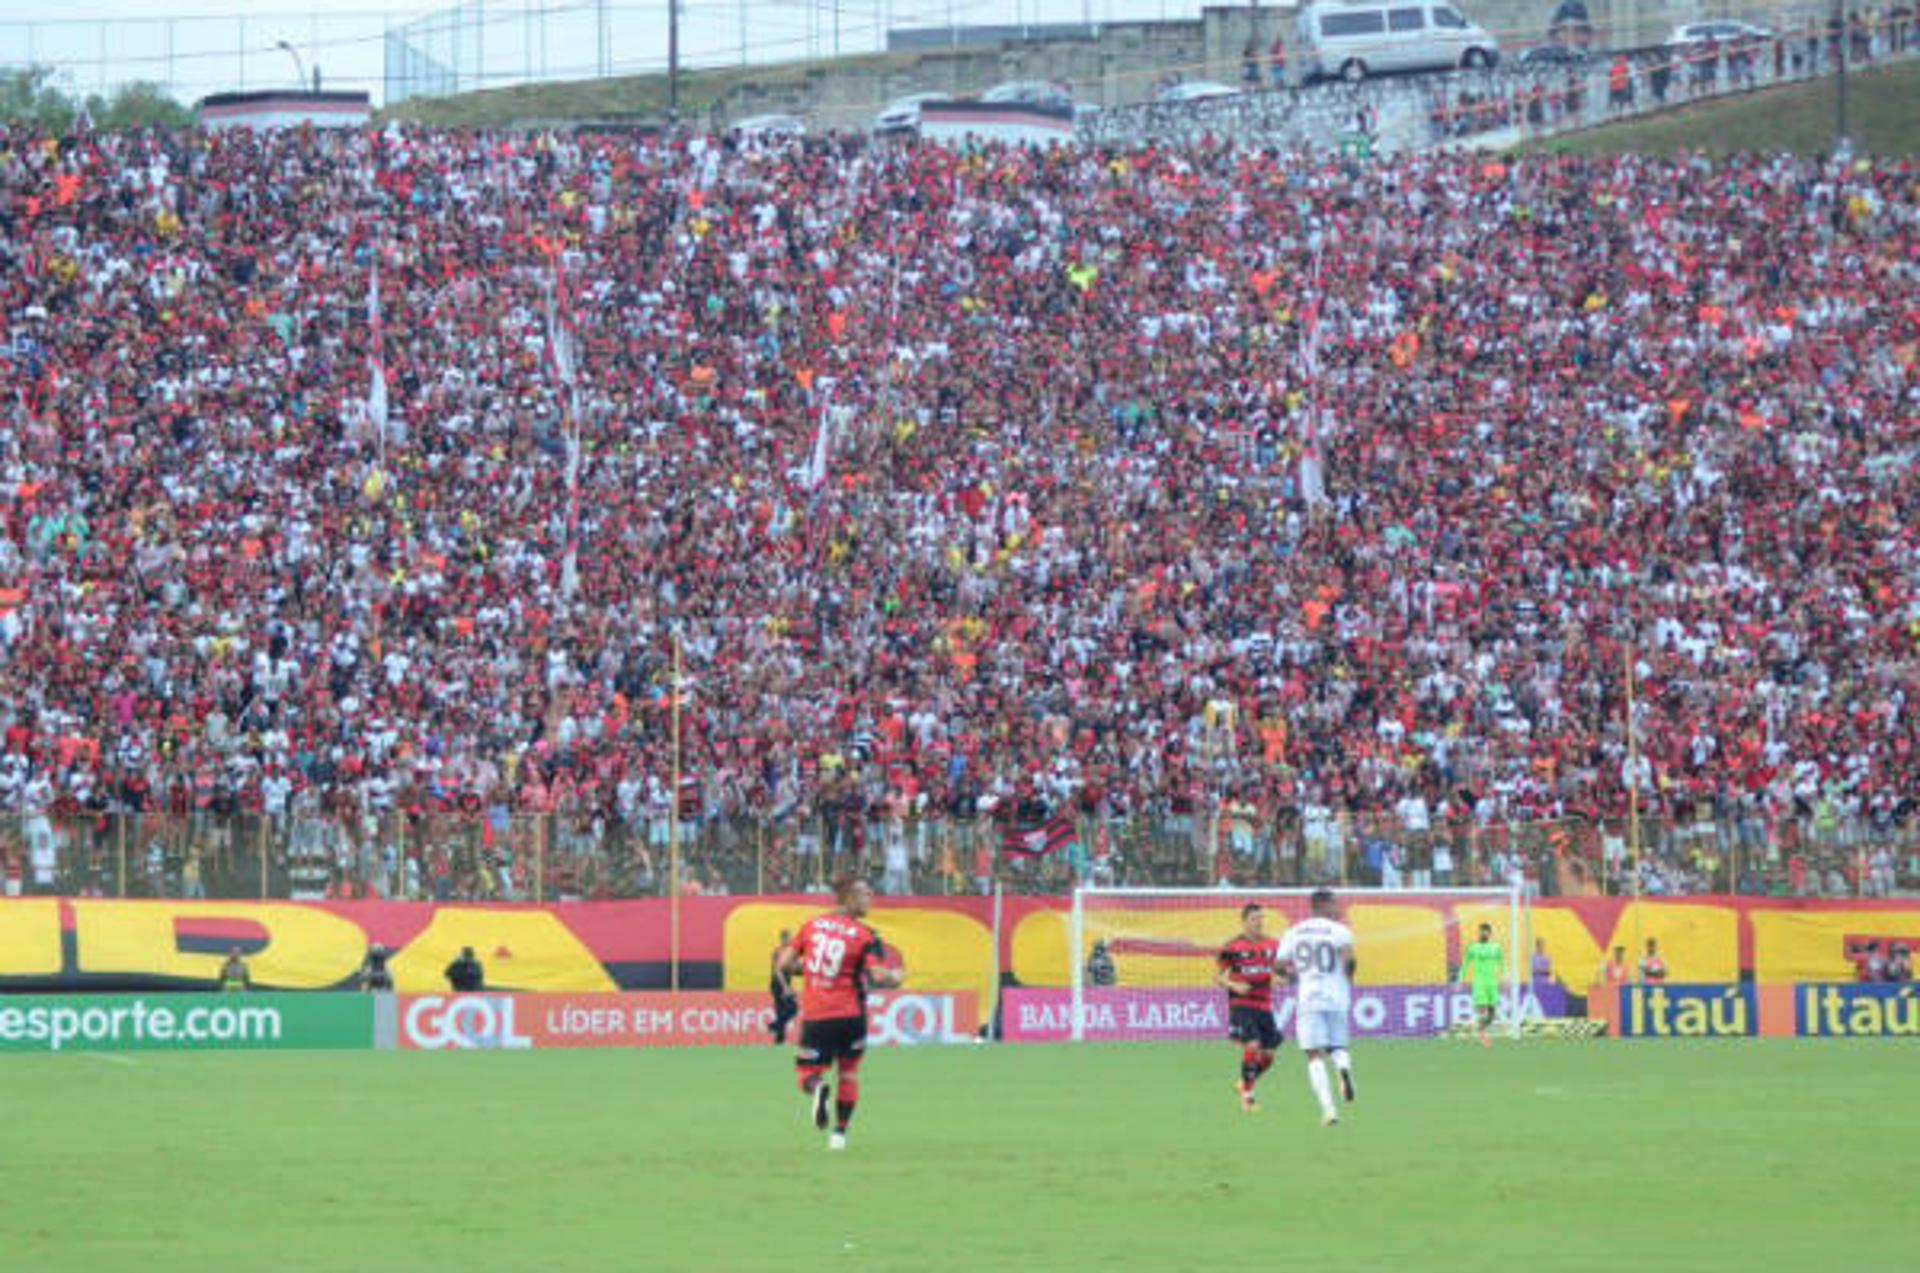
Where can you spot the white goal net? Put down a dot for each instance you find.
(1144, 959)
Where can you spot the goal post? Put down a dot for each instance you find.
(1154, 974)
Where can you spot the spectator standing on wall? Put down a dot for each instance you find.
(1661, 75)
(1250, 66)
(465, 974)
(1277, 62)
(1620, 84)
(1100, 969)
(786, 1004)
(1615, 971)
(1653, 969)
(896, 879)
(375, 976)
(234, 976)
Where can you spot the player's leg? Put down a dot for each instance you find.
(1241, 1031)
(1337, 1052)
(851, 1051)
(1266, 1043)
(846, 1095)
(1485, 1010)
(1313, 1041)
(810, 1063)
(785, 1008)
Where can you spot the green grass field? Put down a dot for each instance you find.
(1883, 117)
(1548, 1156)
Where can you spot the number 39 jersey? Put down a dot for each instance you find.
(1319, 949)
(835, 951)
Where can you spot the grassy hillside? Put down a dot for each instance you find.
(1883, 116)
(635, 98)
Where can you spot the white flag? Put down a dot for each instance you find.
(563, 364)
(377, 397)
(822, 442)
(376, 366)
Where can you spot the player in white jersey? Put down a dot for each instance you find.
(1317, 956)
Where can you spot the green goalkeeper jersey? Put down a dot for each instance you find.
(1481, 964)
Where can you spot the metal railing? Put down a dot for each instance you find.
(1509, 103)
(500, 855)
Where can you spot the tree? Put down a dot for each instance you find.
(28, 95)
(139, 104)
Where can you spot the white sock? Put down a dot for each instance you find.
(1343, 1059)
(1322, 1088)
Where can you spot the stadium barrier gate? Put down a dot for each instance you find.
(575, 854)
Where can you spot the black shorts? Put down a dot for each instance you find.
(1253, 1025)
(838, 1039)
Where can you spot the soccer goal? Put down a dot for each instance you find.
(1144, 959)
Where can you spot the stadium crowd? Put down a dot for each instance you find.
(968, 485)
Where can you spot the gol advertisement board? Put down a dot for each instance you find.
(688, 1019)
(186, 1022)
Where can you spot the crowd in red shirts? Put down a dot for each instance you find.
(1072, 538)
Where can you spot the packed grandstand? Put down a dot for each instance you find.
(1208, 506)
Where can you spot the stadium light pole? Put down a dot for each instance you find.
(299, 67)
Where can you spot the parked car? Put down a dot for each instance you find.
(765, 128)
(1720, 31)
(1353, 41)
(902, 114)
(1031, 93)
(1195, 91)
(1553, 55)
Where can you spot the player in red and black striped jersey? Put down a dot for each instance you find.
(841, 958)
(1246, 974)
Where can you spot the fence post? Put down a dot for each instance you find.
(120, 823)
(542, 827)
(759, 856)
(263, 858)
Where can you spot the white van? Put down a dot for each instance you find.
(1353, 41)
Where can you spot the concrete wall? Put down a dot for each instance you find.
(1126, 60)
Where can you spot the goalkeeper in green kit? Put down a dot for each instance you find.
(1481, 965)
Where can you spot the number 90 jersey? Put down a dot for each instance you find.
(1319, 950)
(835, 951)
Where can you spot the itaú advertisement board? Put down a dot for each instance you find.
(655, 1020)
(1811, 1010)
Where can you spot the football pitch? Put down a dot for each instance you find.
(1538, 1155)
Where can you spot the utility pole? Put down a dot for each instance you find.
(1843, 38)
(673, 61)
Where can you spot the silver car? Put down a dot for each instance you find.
(902, 114)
